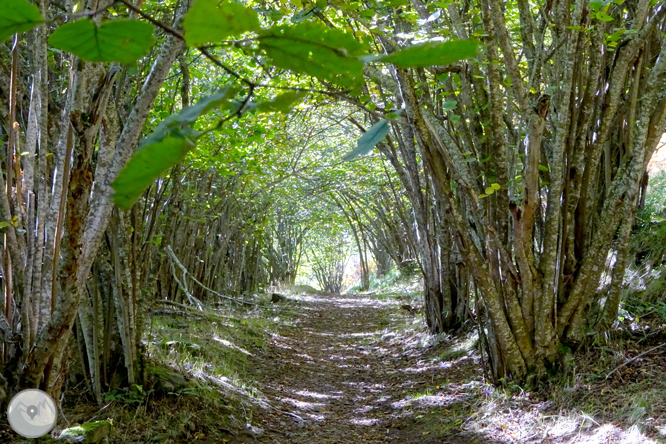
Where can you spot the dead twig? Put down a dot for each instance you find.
(634, 358)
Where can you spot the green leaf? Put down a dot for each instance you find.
(173, 138)
(596, 5)
(432, 54)
(282, 103)
(495, 186)
(450, 105)
(372, 137)
(179, 123)
(123, 41)
(17, 16)
(604, 17)
(146, 165)
(209, 21)
(4, 224)
(490, 191)
(543, 168)
(310, 48)
(367, 13)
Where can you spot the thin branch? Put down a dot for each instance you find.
(155, 22)
(634, 358)
(175, 260)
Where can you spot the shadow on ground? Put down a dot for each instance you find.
(336, 374)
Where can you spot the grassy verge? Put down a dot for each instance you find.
(200, 385)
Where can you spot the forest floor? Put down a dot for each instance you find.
(347, 369)
(340, 372)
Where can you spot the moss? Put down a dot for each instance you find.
(165, 380)
(88, 432)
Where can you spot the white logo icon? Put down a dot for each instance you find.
(32, 413)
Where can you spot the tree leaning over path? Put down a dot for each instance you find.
(60, 212)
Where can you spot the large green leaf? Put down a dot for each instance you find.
(282, 103)
(431, 54)
(370, 139)
(123, 41)
(173, 138)
(209, 21)
(147, 165)
(309, 48)
(17, 16)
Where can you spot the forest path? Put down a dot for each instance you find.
(349, 380)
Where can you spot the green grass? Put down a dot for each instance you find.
(216, 347)
(419, 394)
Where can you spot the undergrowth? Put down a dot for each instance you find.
(395, 283)
(199, 384)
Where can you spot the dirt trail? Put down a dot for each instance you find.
(338, 376)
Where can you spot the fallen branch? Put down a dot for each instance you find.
(175, 260)
(186, 310)
(634, 358)
(183, 285)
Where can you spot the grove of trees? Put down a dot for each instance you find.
(174, 152)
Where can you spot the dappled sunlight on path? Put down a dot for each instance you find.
(344, 378)
(334, 373)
